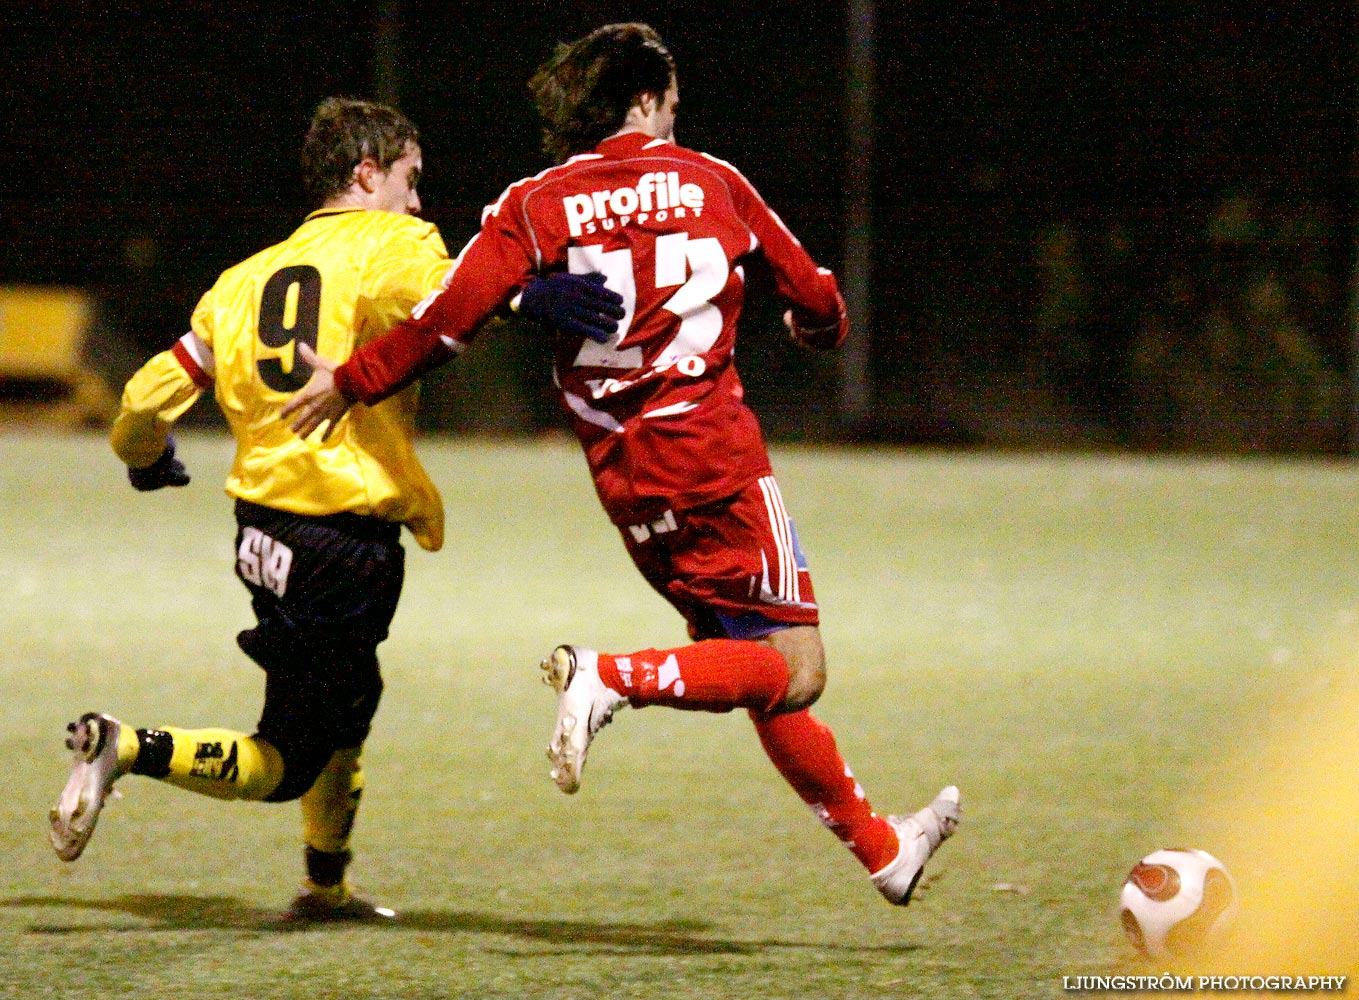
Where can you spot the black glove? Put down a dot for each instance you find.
(164, 471)
(574, 303)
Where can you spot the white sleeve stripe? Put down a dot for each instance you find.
(200, 352)
(788, 232)
(494, 207)
(448, 278)
(758, 197)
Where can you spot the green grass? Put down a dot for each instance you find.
(1081, 643)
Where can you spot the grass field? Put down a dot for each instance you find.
(1088, 646)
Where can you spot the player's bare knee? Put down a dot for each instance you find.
(806, 658)
(804, 688)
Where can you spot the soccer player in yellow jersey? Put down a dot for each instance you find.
(318, 520)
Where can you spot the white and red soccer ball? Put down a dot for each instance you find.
(1177, 902)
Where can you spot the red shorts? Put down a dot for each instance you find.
(732, 568)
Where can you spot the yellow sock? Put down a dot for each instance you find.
(128, 748)
(223, 763)
(330, 805)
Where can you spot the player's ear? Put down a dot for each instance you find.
(644, 104)
(367, 174)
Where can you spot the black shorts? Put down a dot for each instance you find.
(324, 590)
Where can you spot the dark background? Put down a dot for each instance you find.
(1093, 223)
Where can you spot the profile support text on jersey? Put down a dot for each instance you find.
(656, 195)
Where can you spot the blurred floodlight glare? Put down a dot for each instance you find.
(1289, 832)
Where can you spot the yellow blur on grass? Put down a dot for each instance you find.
(1289, 833)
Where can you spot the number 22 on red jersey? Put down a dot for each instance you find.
(696, 269)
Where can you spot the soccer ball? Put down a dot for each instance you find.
(1177, 902)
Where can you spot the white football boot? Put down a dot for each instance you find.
(920, 835)
(94, 768)
(585, 705)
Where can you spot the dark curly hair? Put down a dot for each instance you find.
(584, 91)
(345, 131)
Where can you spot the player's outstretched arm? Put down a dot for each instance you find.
(317, 402)
(817, 317)
(574, 303)
(488, 271)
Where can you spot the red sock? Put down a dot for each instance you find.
(715, 675)
(803, 749)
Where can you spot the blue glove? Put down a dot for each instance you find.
(164, 471)
(574, 303)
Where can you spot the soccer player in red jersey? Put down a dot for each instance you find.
(678, 459)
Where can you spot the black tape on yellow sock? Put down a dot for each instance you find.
(154, 753)
(325, 867)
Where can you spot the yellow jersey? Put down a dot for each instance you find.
(342, 279)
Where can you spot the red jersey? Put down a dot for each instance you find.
(659, 408)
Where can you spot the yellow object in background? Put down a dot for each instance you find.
(42, 337)
(1288, 829)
